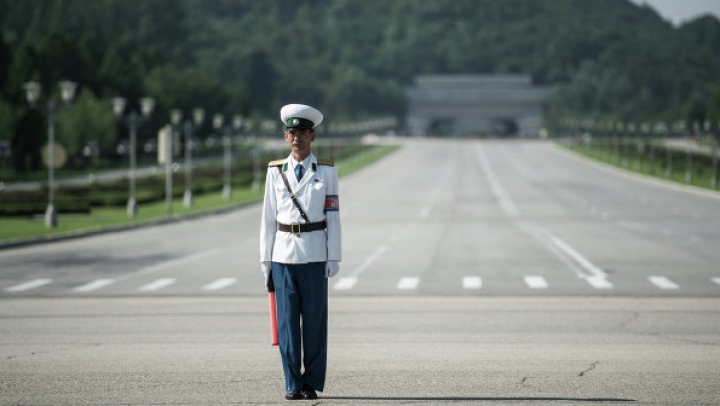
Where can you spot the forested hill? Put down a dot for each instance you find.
(607, 58)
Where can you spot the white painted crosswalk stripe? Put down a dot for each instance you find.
(219, 284)
(157, 285)
(536, 282)
(663, 282)
(598, 282)
(408, 283)
(345, 283)
(35, 283)
(472, 282)
(94, 285)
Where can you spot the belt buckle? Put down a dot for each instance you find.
(294, 227)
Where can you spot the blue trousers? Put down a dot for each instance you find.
(301, 295)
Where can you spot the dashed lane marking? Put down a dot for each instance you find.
(349, 282)
(157, 285)
(536, 282)
(220, 284)
(167, 264)
(408, 283)
(94, 285)
(663, 283)
(472, 282)
(345, 283)
(35, 283)
(598, 282)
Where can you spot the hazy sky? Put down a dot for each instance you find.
(679, 11)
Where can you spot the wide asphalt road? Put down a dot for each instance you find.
(474, 273)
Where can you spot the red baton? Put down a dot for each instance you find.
(273, 313)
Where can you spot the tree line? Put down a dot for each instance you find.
(608, 59)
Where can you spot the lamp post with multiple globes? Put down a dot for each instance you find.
(198, 117)
(133, 120)
(67, 94)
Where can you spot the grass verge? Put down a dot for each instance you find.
(699, 174)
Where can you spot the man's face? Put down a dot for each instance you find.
(299, 141)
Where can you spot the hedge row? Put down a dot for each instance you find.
(81, 199)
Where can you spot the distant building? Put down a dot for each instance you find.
(466, 105)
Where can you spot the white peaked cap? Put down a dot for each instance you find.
(301, 111)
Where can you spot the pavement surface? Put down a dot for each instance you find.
(388, 350)
(474, 272)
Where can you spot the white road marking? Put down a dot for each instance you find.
(372, 258)
(536, 282)
(592, 274)
(584, 262)
(598, 282)
(716, 280)
(167, 264)
(408, 283)
(345, 283)
(157, 285)
(219, 284)
(507, 204)
(35, 283)
(582, 267)
(94, 285)
(663, 282)
(472, 282)
(349, 282)
(444, 176)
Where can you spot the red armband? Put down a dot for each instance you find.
(332, 203)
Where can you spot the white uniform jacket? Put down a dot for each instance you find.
(318, 195)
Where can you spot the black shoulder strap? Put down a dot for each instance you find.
(292, 195)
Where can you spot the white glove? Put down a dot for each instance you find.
(332, 268)
(265, 267)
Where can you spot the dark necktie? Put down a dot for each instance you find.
(299, 172)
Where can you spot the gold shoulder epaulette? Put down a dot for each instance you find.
(326, 163)
(278, 162)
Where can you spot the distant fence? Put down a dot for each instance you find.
(685, 152)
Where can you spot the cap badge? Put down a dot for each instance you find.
(295, 121)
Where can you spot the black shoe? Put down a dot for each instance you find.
(308, 393)
(293, 395)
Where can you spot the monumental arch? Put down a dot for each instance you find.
(468, 105)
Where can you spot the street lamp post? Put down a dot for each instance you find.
(218, 121)
(677, 129)
(67, 94)
(133, 120)
(198, 118)
(237, 122)
(688, 151)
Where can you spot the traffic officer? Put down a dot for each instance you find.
(300, 249)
